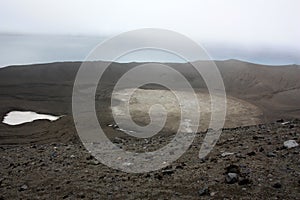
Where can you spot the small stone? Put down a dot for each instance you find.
(1, 180)
(226, 154)
(231, 178)
(89, 157)
(285, 123)
(158, 176)
(23, 187)
(127, 164)
(94, 162)
(213, 194)
(290, 144)
(239, 155)
(68, 148)
(233, 169)
(261, 149)
(204, 191)
(244, 181)
(54, 154)
(252, 153)
(180, 166)
(115, 126)
(118, 140)
(277, 185)
(271, 154)
(72, 156)
(81, 195)
(258, 137)
(168, 172)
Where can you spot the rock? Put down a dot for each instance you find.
(204, 191)
(23, 187)
(127, 164)
(232, 169)
(89, 157)
(67, 148)
(290, 144)
(203, 160)
(94, 162)
(213, 194)
(271, 154)
(180, 166)
(226, 154)
(239, 155)
(54, 154)
(115, 126)
(244, 181)
(261, 149)
(252, 153)
(81, 195)
(118, 140)
(277, 185)
(72, 156)
(258, 137)
(1, 180)
(231, 178)
(168, 172)
(158, 176)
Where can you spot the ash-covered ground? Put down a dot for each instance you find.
(247, 163)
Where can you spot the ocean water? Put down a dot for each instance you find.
(30, 49)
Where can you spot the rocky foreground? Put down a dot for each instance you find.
(254, 162)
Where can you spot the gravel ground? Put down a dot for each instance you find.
(247, 163)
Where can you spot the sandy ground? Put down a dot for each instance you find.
(239, 112)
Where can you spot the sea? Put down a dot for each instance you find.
(21, 49)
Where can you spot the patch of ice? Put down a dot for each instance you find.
(21, 117)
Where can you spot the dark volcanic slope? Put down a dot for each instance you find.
(47, 88)
(66, 171)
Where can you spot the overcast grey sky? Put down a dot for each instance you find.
(260, 31)
(257, 22)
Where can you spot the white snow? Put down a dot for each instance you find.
(21, 117)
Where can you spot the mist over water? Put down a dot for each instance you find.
(30, 49)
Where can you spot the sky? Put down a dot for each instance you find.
(253, 24)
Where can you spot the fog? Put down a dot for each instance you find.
(258, 31)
